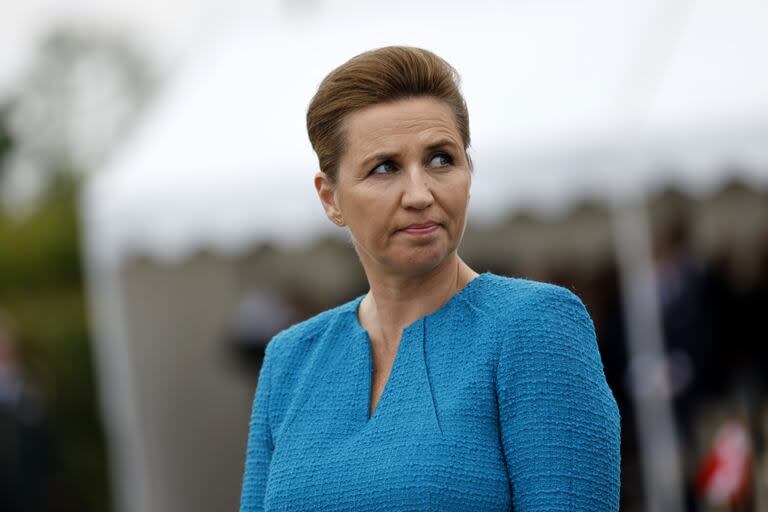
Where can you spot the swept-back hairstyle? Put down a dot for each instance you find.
(374, 77)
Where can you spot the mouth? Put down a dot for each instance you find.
(421, 229)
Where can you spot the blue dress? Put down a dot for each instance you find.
(497, 401)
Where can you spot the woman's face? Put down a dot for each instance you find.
(402, 186)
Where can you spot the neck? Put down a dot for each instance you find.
(396, 301)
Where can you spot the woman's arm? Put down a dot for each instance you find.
(559, 420)
(259, 451)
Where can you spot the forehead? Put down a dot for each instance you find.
(413, 120)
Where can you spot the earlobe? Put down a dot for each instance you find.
(326, 192)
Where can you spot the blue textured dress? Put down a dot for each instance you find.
(496, 401)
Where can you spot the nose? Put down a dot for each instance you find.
(416, 190)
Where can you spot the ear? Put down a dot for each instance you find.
(326, 191)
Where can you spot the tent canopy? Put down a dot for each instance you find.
(566, 100)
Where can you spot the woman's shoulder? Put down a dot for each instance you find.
(540, 317)
(299, 336)
(514, 297)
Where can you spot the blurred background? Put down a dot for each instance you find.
(158, 225)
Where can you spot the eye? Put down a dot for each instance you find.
(441, 160)
(384, 168)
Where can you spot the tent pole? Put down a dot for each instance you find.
(115, 372)
(647, 371)
(659, 453)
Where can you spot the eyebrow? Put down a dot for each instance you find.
(384, 156)
(442, 143)
(377, 157)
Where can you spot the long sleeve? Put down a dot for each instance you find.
(259, 450)
(559, 421)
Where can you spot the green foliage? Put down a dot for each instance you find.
(42, 250)
(41, 290)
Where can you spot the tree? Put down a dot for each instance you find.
(80, 96)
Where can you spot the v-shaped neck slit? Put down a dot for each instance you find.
(370, 416)
(408, 332)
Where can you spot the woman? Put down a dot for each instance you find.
(439, 389)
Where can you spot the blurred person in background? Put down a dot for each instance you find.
(26, 449)
(741, 301)
(686, 318)
(686, 310)
(441, 388)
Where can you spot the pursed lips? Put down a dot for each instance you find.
(424, 227)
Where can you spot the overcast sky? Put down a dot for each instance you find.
(165, 29)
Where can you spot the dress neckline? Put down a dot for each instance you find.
(355, 304)
(406, 334)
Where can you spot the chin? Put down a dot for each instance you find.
(420, 262)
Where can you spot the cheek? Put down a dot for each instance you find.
(369, 227)
(458, 198)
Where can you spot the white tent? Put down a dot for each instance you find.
(559, 93)
(552, 88)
